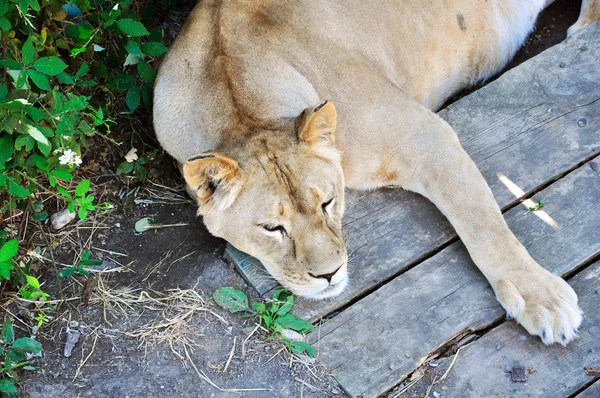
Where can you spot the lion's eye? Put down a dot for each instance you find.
(274, 229)
(327, 206)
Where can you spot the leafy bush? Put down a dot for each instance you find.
(70, 71)
(15, 354)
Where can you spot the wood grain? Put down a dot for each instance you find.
(480, 368)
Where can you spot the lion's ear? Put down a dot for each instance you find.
(216, 179)
(317, 126)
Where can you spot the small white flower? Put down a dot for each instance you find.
(69, 158)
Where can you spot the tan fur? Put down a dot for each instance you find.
(245, 85)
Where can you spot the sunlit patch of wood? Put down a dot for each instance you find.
(528, 203)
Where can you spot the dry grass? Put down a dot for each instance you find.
(175, 327)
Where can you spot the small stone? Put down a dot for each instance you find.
(582, 122)
(72, 339)
(436, 394)
(523, 337)
(498, 347)
(434, 364)
(518, 374)
(407, 355)
(393, 365)
(61, 219)
(292, 335)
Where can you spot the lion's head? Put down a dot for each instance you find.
(279, 196)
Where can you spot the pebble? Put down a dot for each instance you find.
(498, 347)
(61, 219)
(434, 364)
(582, 122)
(436, 394)
(407, 355)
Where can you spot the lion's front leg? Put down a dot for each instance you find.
(417, 150)
(540, 301)
(590, 11)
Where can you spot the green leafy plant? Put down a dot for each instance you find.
(80, 201)
(14, 354)
(32, 290)
(79, 267)
(275, 314)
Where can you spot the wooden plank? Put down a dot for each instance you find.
(519, 133)
(559, 371)
(592, 391)
(377, 341)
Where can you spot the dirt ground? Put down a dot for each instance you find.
(151, 327)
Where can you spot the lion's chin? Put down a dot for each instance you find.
(329, 291)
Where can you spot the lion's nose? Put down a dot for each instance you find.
(326, 276)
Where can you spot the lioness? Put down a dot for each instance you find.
(244, 101)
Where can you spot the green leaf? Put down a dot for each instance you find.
(63, 175)
(28, 52)
(133, 98)
(7, 386)
(4, 7)
(65, 78)
(11, 64)
(28, 345)
(153, 48)
(5, 268)
(3, 91)
(287, 306)
(146, 73)
(124, 168)
(8, 333)
(9, 250)
(16, 189)
(82, 188)
(82, 213)
(6, 149)
(290, 321)
(4, 24)
(83, 70)
(259, 307)
(231, 299)
(24, 141)
(298, 347)
(40, 162)
(39, 79)
(64, 192)
(67, 272)
(36, 134)
(32, 281)
(132, 28)
(51, 66)
(133, 48)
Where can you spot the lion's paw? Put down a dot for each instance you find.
(543, 303)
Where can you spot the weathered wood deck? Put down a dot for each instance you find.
(416, 296)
